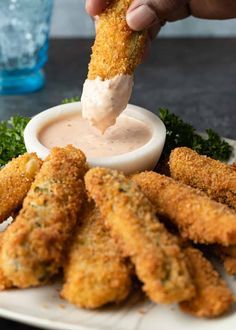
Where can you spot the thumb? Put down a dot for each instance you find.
(144, 13)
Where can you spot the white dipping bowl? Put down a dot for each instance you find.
(143, 158)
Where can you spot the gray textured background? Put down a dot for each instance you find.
(70, 20)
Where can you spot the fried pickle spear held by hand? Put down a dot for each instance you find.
(95, 271)
(197, 217)
(33, 245)
(217, 179)
(159, 262)
(213, 297)
(15, 181)
(116, 53)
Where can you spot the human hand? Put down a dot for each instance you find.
(152, 14)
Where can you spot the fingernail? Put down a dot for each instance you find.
(88, 6)
(140, 18)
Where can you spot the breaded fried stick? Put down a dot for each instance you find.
(15, 181)
(4, 282)
(116, 53)
(228, 256)
(230, 265)
(233, 166)
(33, 245)
(197, 217)
(213, 297)
(155, 253)
(95, 271)
(217, 179)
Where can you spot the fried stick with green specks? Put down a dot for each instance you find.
(95, 271)
(33, 246)
(159, 262)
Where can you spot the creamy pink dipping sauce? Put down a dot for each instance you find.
(126, 135)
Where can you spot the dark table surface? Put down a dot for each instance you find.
(195, 78)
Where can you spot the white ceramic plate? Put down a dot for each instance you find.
(43, 308)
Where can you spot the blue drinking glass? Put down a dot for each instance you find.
(24, 30)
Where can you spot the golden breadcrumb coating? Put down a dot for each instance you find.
(4, 282)
(33, 245)
(15, 181)
(117, 49)
(228, 256)
(213, 297)
(95, 271)
(217, 179)
(233, 166)
(230, 265)
(197, 217)
(155, 253)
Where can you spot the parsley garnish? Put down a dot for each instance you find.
(11, 138)
(70, 100)
(181, 134)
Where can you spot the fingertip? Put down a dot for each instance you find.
(89, 8)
